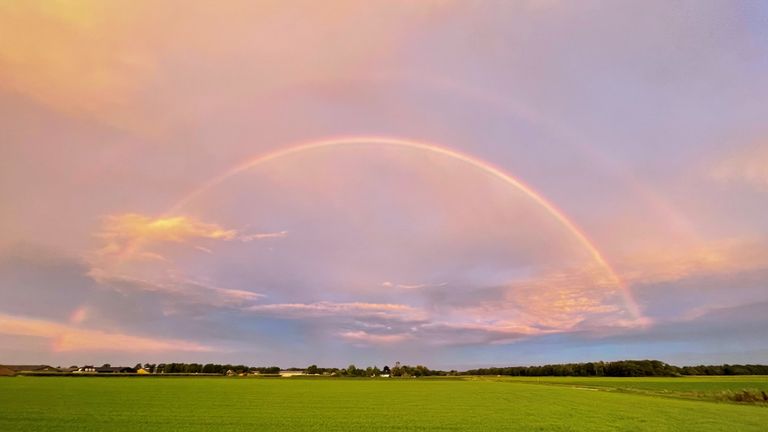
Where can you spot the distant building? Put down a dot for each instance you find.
(5, 371)
(115, 369)
(31, 368)
(290, 373)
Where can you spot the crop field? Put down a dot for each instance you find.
(319, 404)
(717, 388)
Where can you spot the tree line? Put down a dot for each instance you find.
(208, 368)
(396, 371)
(623, 368)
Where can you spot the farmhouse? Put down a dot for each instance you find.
(104, 369)
(115, 369)
(5, 371)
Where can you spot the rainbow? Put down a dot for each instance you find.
(478, 164)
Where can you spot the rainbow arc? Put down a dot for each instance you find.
(476, 163)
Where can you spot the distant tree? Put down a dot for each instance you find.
(106, 365)
(313, 370)
(262, 370)
(421, 371)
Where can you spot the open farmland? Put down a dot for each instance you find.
(483, 404)
(716, 388)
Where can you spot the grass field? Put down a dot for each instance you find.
(715, 388)
(444, 404)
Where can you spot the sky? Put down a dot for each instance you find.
(455, 184)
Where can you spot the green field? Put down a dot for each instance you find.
(444, 404)
(716, 388)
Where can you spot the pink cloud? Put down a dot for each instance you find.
(711, 258)
(453, 333)
(184, 288)
(748, 165)
(127, 234)
(332, 309)
(119, 54)
(66, 337)
(365, 338)
(260, 236)
(557, 301)
(417, 286)
(78, 315)
(131, 236)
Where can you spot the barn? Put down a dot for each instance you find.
(31, 368)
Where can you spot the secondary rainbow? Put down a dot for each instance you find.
(481, 165)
